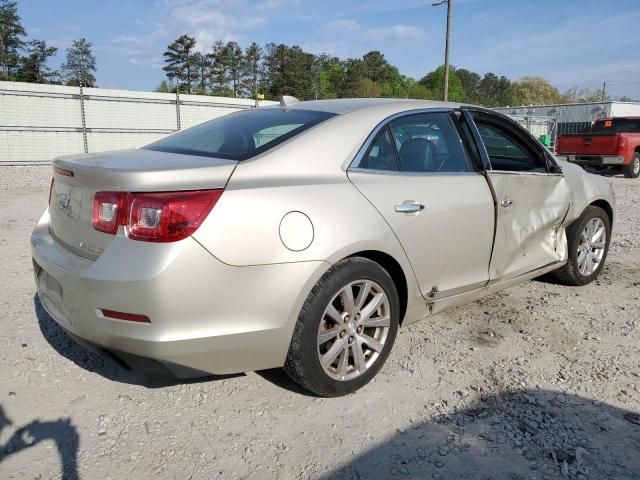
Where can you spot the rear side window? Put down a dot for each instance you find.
(429, 143)
(241, 135)
(381, 154)
(617, 125)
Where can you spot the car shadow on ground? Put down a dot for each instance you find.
(63, 433)
(111, 369)
(105, 365)
(529, 434)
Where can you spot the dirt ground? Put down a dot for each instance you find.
(537, 382)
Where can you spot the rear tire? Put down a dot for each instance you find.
(633, 169)
(358, 328)
(581, 244)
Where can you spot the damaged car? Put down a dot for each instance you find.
(306, 234)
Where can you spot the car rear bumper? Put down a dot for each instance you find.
(205, 315)
(596, 160)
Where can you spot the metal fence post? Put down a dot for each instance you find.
(177, 108)
(84, 120)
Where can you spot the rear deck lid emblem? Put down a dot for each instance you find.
(63, 200)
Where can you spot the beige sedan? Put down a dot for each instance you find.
(305, 235)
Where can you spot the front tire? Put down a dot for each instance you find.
(588, 244)
(633, 169)
(345, 330)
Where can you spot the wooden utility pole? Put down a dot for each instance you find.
(446, 47)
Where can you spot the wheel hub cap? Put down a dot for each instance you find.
(353, 330)
(591, 247)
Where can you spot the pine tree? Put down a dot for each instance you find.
(10, 42)
(33, 66)
(220, 69)
(234, 65)
(202, 67)
(251, 69)
(80, 64)
(179, 61)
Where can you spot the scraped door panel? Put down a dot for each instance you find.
(449, 242)
(530, 211)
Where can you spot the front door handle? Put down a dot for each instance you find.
(408, 207)
(506, 203)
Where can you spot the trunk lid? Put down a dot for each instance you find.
(78, 177)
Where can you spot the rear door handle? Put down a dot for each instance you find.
(409, 207)
(506, 203)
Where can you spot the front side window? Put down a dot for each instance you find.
(506, 151)
(428, 143)
(241, 135)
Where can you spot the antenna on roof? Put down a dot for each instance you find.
(288, 100)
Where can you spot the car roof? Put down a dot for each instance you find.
(346, 105)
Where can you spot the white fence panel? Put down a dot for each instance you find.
(40, 122)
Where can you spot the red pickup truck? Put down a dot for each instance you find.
(612, 142)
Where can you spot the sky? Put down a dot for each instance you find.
(569, 42)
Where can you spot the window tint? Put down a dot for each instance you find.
(617, 125)
(507, 152)
(381, 154)
(241, 135)
(428, 142)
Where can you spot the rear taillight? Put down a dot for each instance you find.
(108, 211)
(153, 217)
(623, 144)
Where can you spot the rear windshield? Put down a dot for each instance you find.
(240, 135)
(617, 125)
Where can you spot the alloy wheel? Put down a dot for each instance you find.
(592, 246)
(353, 330)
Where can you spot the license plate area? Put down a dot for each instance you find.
(51, 293)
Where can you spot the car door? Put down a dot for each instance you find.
(532, 198)
(416, 172)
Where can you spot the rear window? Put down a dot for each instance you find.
(240, 135)
(617, 125)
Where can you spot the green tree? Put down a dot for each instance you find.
(220, 69)
(494, 91)
(251, 70)
(33, 66)
(297, 73)
(415, 89)
(202, 68)
(179, 59)
(80, 64)
(10, 42)
(434, 81)
(532, 90)
(235, 65)
(327, 76)
(165, 87)
(353, 75)
(470, 84)
(369, 89)
(376, 67)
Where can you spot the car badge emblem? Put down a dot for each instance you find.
(63, 200)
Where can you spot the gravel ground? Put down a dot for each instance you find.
(537, 382)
